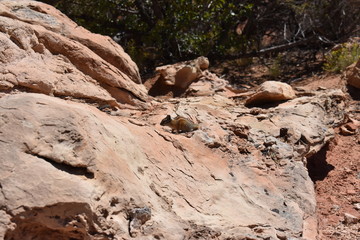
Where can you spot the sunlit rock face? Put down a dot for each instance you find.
(43, 51)
(71, 168)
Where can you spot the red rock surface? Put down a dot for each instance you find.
(70, 170)
(43, 51)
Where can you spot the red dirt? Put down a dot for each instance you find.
(339, 191)
(335, 171)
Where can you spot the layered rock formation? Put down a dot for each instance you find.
(61, 58)
(71, 171)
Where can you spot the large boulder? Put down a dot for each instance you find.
(44, 51)
(177, 77)
(69, 170)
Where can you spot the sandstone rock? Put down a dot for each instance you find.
(67, 158)
(352, 74)
(185, 76)
(203, 63)
(350, 126)
(37, 13)
(348, 129)
(44, 51)
(271, 91)
(182, 74)
(70, 170)
(208, 85)
(87, 168)
(75, 153)
(357, 206)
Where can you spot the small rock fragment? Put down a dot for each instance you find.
(350, 219)
(137, 217)
(357, 206)
(348, 129)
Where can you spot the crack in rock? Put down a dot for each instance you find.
(62, 166)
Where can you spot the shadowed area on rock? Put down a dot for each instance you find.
(59, 221)
(317, 166)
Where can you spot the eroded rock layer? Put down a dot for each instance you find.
(59, 155)
(71, 169)
(43, 51)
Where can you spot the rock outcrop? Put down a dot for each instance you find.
(182, 74)
(176, 78)
(43, 51)
(69, 170)
(77, 172)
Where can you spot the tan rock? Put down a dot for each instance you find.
(74, 153)
(182, 74)
(208, 85)
(203, 63)
(270, 92)
(37, 13)
(185, 76)
(69, 166)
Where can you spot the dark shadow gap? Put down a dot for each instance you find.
(79, 171)
(354, 92)
(317, 166)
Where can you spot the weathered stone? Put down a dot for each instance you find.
(70, 170)
(137, 218)
(182, 74)
(203, 63)
(97, 158)
(270, 92)
(357, 206)
(44, 51)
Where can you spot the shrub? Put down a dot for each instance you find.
(341, 57)
(275, 68)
